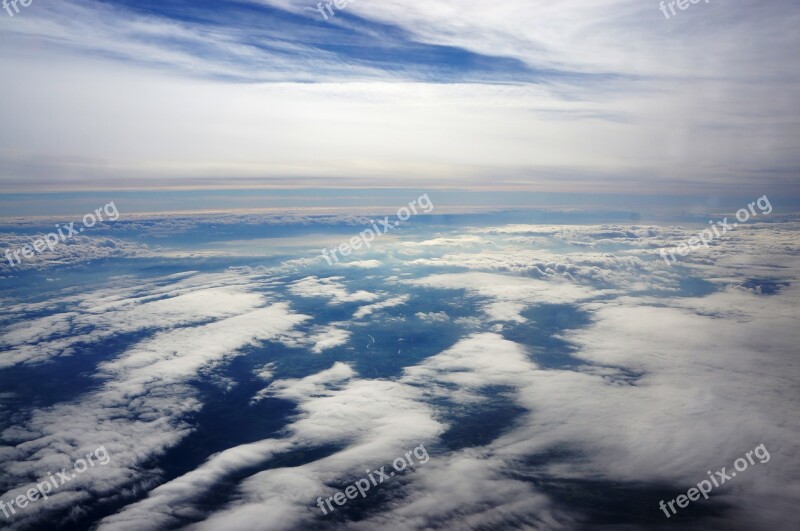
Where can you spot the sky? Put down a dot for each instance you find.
(576, 96)
(529, 328)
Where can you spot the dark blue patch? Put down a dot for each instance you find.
(545, 322)
(358, 42)
(765, 286)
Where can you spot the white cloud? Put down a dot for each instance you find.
(458, 241)
(688, 388)
(433, 317)
(101, 314)
(329, 288)
(507, 295)
(139, 408)
(369, 309)
(372, 418)
(363, 264)
(329, 337)
(76, 250)
(657, 389)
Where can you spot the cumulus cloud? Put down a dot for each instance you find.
(139, 408)
(362, 264)
(369, 309)
(458, 241)
(377, 420)
(638, 409)
(373, 419)
(329, 338)
(507, 295)
(330, 288)
(433, 317)
(78, 249)
(104, 313)
(657, 388)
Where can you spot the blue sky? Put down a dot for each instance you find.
(270, 31)
(604, 96)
